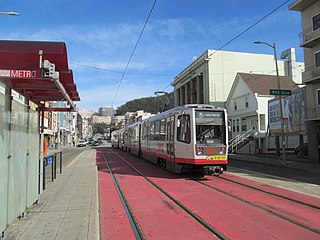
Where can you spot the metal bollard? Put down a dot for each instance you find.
(52, 169)
(60, 162)
(44, 173)
(55, 166)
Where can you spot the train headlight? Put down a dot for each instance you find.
(222, 149)
(200, 150)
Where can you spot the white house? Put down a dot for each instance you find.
(247, 105)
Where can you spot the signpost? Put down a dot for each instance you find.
(280, 92)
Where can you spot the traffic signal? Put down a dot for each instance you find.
(50, 70)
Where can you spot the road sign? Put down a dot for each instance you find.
(280, 92)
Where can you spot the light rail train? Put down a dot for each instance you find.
(189, 138)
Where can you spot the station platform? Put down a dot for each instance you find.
(70, 207)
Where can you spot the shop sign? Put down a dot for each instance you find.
(18, 73)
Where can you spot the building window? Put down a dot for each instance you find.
(243, 125)
(235, 105)
(238, 125)
(262, 122)
(317, 59)
(318, 96)
(233, 125)
(246, 100)
(316, 22)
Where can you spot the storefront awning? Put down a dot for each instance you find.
(38, 70)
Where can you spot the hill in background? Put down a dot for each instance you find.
(148, 104)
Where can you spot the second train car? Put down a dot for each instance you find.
(189, 138)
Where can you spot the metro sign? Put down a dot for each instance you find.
(18, 73)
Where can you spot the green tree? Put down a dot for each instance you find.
(99, 128)
(148, 104)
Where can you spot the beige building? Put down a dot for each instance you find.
(132, 117)
(100, 119)
(310, 41)
(208, 79)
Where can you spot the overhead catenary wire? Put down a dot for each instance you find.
(134, 49)
(130, 58)
(220, 48)
(118, 72)
(251, 26)
(244, 31)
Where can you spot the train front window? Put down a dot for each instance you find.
(209, 127)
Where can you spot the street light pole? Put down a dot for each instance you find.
(283, 162)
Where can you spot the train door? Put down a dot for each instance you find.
(139, 139)
(170, 143)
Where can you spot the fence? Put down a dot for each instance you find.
(19, 157)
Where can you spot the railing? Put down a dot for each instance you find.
(308, 37)
(240, 140)
(311, 74)
(51, 160)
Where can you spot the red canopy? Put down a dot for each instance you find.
(20, 69)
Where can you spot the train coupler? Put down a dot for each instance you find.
(213, 170)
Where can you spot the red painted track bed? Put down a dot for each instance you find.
(236, 211)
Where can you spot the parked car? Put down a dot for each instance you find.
(303, 149)
(95, 143)
(82, 143)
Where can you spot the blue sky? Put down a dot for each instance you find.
(100, 37)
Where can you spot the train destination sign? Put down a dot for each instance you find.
(280, 92)
(18, 73)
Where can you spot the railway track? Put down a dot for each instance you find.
(138, 233)
(272, 193)
(134, 223)
(263, 208)
(222, 197)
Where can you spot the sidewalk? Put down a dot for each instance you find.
(291, 161)
(70, 208)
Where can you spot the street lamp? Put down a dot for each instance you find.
(280, 100)
(10, 13)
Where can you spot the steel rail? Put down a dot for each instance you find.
(261, 208)
(138, 233)
(273, 194)
(187, 210)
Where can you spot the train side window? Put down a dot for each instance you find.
(157, 130)
(183, 129)
(143, 132)
(148, 131)
(151, 131)
(162, 130)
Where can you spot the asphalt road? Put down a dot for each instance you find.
(69, 154)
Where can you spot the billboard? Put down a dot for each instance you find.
(293, 108)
